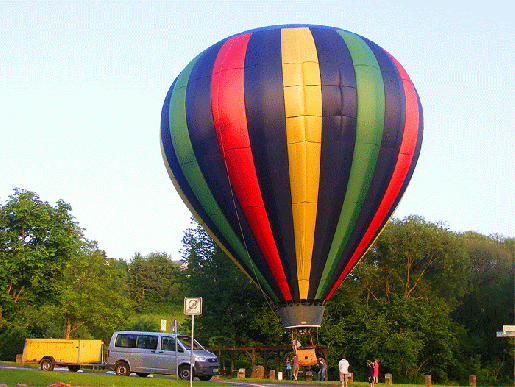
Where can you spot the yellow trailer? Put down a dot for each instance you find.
(71, 353)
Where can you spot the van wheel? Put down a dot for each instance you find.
(47, 364)
(122, 369)
(141, 374)
(73, 368)
(205, 378)
(184, 372)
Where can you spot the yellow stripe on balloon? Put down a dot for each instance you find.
(303, 107)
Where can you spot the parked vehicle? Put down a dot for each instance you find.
(71, 353)
(155, 353)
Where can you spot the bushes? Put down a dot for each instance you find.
(12, 341)
(144, 323)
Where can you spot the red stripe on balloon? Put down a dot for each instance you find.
(230, 120)
(406, 152)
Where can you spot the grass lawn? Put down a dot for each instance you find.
(39, 378)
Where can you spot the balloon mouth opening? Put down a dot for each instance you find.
(301, 315)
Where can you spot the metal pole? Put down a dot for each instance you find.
(191, 349)
(513, 338)
(176, 351)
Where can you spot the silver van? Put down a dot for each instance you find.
(154, 353)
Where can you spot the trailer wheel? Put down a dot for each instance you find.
(184, 372)
(47, 364)
(122, 368)
(73, 368)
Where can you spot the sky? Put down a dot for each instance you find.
(82, 85)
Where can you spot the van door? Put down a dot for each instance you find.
(166, 356)
(144, 354)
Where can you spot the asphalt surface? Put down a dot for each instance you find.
(277, 383)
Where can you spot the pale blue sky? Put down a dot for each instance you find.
(82, 85)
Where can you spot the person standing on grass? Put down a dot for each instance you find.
(295, 361)
(376, 371)
(323, 369)
(288, 368)
(343, 367)
(370, 372)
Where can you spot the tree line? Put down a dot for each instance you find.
(423, 300)
(56, 283)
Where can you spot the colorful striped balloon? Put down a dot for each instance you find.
(292, 146)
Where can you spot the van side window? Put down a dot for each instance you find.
(125, 341)
(146, 342)
(167, 343)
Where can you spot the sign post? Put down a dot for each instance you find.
(192, 307)
(175, 329)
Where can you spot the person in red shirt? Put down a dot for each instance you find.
(376, 371)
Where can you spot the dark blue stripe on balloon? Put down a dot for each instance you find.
(174, 165)
(264, 101)
(199, 118)
(339, 110)
(406, 180)
(394, 118)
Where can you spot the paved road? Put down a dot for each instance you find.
(248, 383)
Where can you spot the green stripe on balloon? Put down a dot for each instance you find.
(369, 132)
(191, 170)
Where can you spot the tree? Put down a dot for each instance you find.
(233, 306)
(424, 300)
(94, 296)
(490, 302)
(37, 242)
(413, 257)
(154, 280)
(397, 302)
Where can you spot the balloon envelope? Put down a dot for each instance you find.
(292, 146)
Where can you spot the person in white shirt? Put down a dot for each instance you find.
(343, 367)
(295, 362)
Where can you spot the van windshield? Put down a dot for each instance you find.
(186, 342)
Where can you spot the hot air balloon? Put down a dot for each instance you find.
(292, 146)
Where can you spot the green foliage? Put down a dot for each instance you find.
(144, 323)
(154, 280)
(233, 305)
(94, 294)
(423, 300)
(413, 257)
(221, 341)
(44, 321)
(397, 304)
(265, 327)
(12, 341)
(38, 241)
(490, 302)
